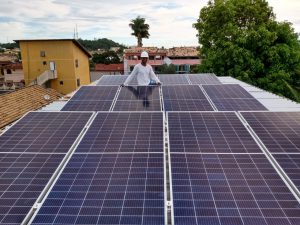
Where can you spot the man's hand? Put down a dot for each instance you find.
(122, 85)
(158, 83)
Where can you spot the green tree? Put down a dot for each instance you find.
(108, 57)
(102, 43)
(242, 39)
(140, 29)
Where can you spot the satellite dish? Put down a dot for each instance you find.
(47, 97)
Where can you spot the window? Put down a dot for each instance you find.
(44, 63)
(151, 57)
(78, 82)
(76, 63)
(8, 71)
(61, 82)
(43, 54)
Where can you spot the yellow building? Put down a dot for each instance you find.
(61, 64)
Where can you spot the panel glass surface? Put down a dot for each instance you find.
(107, 189)
(214, 132)
(44, 132)
(230, 189)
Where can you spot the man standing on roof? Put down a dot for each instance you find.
(143, 73)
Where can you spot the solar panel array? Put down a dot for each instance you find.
(232, 97)
(215, 132)
(185, 98)
(92, 98)
(115, 167)
(124, 132)
(115, 176)
(112, 80)
(138, 98)
(280, 133)
(204, 78)
(31, 152)
(173, 79)
(230, 189)
(220, 175)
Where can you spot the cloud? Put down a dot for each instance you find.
(170, 21)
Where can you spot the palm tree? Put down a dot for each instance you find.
(140, 29)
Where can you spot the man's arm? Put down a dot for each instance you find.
(131, 76)
(153, 76)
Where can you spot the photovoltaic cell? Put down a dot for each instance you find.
(279, 131)
(87, 105)
(290, 163)
(227, 189)
(124, 132)
(95, 93)
(183, 92)
(138, 98)
(92, 98)
(215, 132)
(173, 79)
(187, 105)
(204, 78)
(232, 97)
(236, 104)
(112, 80)
(226, 91)
(107, 189)
(23, 178)
(44, 132)
(185, 98)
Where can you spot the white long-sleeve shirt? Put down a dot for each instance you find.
(143, 75)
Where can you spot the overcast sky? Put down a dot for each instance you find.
(170, 21)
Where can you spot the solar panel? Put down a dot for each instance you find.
(226, 91)
(290, 163)
(187, 105)
(87, 105)
(95, 93)
(204, 78)
(44, 132)
(232, 97)
(112, 80)
(182, 92)
(279, 131)
(173, 79)
(209, 132)
(107, 189)
(124, 132)
(185, 98)
(23, 178)
(138, 98)
(236, 104)
(92, 98)
(230, 189)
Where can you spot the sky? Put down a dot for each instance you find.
(170, 21)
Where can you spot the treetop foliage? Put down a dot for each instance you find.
(242, 39)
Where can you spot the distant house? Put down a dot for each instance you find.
(11, 72)
(184, 58)
(132, 57)
(61, 64)
(110, 69)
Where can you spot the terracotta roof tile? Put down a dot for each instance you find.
(183, 51)
(15, 104)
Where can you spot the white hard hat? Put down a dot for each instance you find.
(145, 54)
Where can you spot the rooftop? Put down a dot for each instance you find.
(73, 40)
(14, 105)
